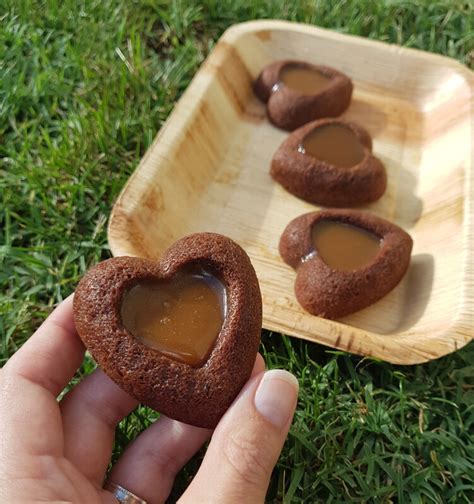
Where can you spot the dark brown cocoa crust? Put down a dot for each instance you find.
(197, 396)
(289, 109)
(325, 184)
(333, 294)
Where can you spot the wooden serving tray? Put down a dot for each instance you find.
(208, 170)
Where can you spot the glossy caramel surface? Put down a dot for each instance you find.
(305, 80)
(343, 246)
(181, 317)
(335, 144)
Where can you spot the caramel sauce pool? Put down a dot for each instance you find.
(344, 247)
(334, 143)
(303, 79)
(181, 317)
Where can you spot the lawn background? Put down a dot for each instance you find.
(84, 88)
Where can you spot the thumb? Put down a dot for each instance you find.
(247, 442)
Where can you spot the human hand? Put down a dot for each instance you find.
(54, 451)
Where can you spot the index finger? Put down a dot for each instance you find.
(52, 355)
(30, 382)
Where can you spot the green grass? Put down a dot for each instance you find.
(84, 87)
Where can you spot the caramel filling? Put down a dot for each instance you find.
(181, 317)
(305, 80)
(343, 246)
(335, 144)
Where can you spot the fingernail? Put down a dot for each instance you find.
(276, 396)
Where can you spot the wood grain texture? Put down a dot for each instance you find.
(208, 170)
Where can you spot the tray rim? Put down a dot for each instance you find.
(460, 331)
(245, 27)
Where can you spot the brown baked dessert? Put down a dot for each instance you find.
(297, 92)
(346, 260)
(180, 335)
(330, 162)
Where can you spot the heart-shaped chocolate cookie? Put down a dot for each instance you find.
(330, 162)
(180, 335)
(297, 92)
(345, 259)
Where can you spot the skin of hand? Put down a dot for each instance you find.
(58, 451)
